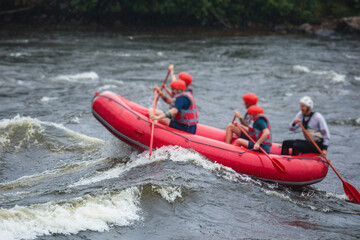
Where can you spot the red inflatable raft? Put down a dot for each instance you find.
(130, 123)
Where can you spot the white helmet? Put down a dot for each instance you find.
(307, 101)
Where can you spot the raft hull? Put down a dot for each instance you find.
(130, 123)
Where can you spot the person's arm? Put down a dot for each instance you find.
(265, 134)
(294, 124)
(246, 128)
(171, 69)
(238, 115)
(162, 95)
(168, 92)
(325, 133)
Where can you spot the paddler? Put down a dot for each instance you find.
(183, 114)
(183, 76)
(259, 130)
(250, 99)
(316, 126)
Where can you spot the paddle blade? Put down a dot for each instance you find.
(351, 192)
(278, 164)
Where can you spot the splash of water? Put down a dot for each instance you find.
(95, 213)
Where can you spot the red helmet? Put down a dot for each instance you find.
(255, 110)
(178, 84)
(250, 98)
(187, 78)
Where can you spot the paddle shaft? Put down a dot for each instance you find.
(156, 98)
(350, 190)
(163, 85)
(319, 150)
(153, 125)
(276, 162)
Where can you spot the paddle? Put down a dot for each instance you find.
(275, 161)
(163, 85)
(350, 190)
(156, 98)
(153, 125)
(234, 119)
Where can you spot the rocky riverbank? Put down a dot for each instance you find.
(347, 25)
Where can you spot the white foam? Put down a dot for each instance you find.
(34, 127)
(168, 193)
(4, 140)
(350, 56)
(357, 78)
(75, 120)
(173, 153)
(301, 69)
(94, 213)
(336, 77)
(123, 55)
(78, 77)
(284, 197)
(338, 196)
(357, 120)
(10, 126)
(331, 75)
(20, 54)
(47, 99)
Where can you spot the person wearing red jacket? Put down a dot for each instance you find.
(250, 99)
(183, 114)
(259, 130)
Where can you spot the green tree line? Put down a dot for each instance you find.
(178, 12)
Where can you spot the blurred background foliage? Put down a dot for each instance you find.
(178, 12)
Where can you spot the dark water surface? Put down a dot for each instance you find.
(64, 176)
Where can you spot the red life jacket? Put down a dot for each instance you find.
(188, 117)
(256, 133)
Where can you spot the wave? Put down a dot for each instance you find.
(302, 202)
(351, 122)
(348, 56)
(20, 54)
(79, 77)
(20, 132)
(330, 75)
(168, 193)
(357, 78)
(301, 69)
(94, 213)
(47, 99)
(172, 153)
(35, 179)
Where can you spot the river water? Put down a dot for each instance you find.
(64, 176)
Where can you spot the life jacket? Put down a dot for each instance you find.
(314, 134)
(188, 117)
(173, 99)
(305, 123)
(256, 133)
(247, 119)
